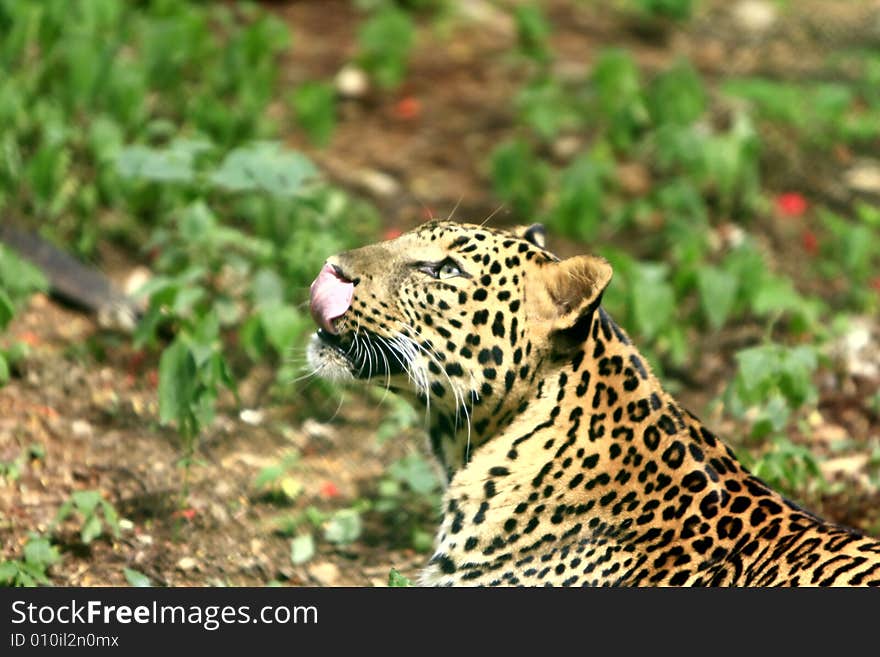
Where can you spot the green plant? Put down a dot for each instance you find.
(519, 177)
(407, 494)
(191, 371)
(343, 526)
(772, 382)
(533, 32)
(136, 578)
(18, 280)
(620, 100)
(276, 480)
(679, 10)
(400, 417)
(314, 105)
(385, 40)
(579, 206)
(395, 579)
(11, 470)
(302, 549)
(68, 106)
(97, 515)
(821, 114)
(217, 276)
(38, 555)
(852, 251)
(787, 466)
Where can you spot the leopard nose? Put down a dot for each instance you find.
(330, 297)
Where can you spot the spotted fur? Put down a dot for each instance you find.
(567, 462)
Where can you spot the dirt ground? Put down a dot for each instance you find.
(90, 400)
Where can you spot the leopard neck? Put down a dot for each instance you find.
(604, 454)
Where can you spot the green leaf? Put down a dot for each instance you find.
(302, 549)
(268, 475)
(416, 473)
(533, 31)
(8, 572)
(110, 517)
(4, 370)
(173, 164)
(267, 288)
(314, 104)
(343, 527)
(653, 303)
(677, 95)
(18, 280)
(91, 529)
(518, 176)
(578, 210)
(757, 367)
(86, 500)
(395, 579)
(136, 578)
(41, 553)
(7, 310)
(717, 290)
(266, 167)
(177, 383)
(620, 100)
(292, 488)
(283, 325)
(385, 40)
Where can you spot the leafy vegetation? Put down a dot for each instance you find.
(38, 555)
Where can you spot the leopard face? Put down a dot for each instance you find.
(458, 316)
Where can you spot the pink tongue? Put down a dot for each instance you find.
(330, 298)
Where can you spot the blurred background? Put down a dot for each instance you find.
(173, 174)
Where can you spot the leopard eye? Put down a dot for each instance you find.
(448, 269)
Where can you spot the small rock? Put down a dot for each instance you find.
(252, 417)
(81, 429)
(136, 279)
(566, 147)
(326, 573)
(187, 563)
(634, 178)
(858, 350)
(829, 433)
(377, 183)
(351, 82)
(864, 177)
(146, 539)
(755, 16)
(315, 429)
(852, 466)
(218, 513)
(488, 15)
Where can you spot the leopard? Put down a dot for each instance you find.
(566, 462)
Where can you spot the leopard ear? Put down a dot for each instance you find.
(536, 234)
(575, 287)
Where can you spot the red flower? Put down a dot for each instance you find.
(810, 242)
(329, 490)
(408, 108)
(876, 284)
(188, 514)
(791, 204)
(392, 233)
